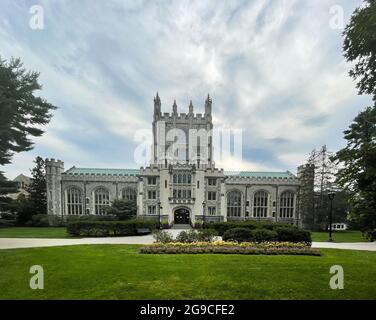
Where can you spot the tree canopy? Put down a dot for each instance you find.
(21, 112)
(360, 47)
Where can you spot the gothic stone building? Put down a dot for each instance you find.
(179, 190)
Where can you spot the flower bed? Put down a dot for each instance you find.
(223, 247)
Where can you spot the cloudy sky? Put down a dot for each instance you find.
(273, 68)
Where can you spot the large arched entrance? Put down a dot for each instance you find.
(181, 216)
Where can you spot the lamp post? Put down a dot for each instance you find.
(203, 211)
(159, 214)
(331, 196)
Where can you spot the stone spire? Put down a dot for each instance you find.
(175, 108)
(190, 107)
(157, 105)
(208, 105)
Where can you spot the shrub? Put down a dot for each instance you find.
(238, 234)
(222, 227)
(165, 225)
(187, 236)
(38, 220)
(198, 225)
(8, 216)
(263, 235)
(107, 228)
(91, 217)
(7, 223)
(161, 236)
(206, 235)
(293, 235)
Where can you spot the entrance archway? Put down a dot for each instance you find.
(181, 216)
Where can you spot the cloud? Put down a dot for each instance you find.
(273, 68)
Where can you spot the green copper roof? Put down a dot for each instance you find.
(259, 174)
(108, 172)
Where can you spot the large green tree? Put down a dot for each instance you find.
(358, 158)
(37, 188)
(21, 112)
(360, 47)
(358, 172)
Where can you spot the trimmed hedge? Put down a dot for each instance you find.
(247, 235)
(79, 228)
(281, 234)
(293, 235)
(222, 227)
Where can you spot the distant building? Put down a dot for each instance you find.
(179, 189)
(339, 226)
(22, 183)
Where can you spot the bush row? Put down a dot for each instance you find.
(283, 234)
(230, 249)
(222, 227)
(189, 236)
(79, 228)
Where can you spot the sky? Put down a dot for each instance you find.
(274, 69)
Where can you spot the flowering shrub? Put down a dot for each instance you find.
(224, 247)
(161, 236)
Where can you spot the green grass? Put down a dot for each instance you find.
(120, 272)
(33, 232)
(339, 236)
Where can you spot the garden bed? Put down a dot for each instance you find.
(223, 247)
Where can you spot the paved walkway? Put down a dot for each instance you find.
(13, 243)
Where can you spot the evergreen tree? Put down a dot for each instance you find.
(358, 172)
(21, 112)
(123, 209)
(6, 187)
(37, 187)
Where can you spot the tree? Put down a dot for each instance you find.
(21, 112)
(6, 187)
(358, 172)
(24, 209)
(358, 158)
(37, 188)
(123, 209)
(360, 47)
(324, 176)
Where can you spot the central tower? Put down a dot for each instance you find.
(182, 138)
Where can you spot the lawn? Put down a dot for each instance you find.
(60, 232)
(120, 272)
(339, 236)
(33, 232)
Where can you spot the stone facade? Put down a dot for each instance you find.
(187, 188)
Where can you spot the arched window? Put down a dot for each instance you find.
(189, 178)
(260, 204)
(234, 203)
(74, 201)
(102, 200)
(129, 194)
(286, 205)
(184, 179)
(175, 178)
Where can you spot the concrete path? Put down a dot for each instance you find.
(13, 243)
(368, 246)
